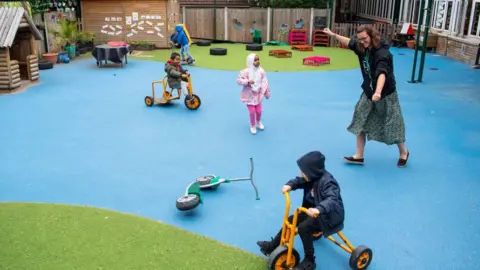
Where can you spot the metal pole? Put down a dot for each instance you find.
(422, 4)
(425, 37)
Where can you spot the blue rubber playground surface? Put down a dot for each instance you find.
(84, 136)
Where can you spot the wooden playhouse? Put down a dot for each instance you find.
(141, 21)
(18, 48)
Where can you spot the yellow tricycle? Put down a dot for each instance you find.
(192, 101)
(286, 257)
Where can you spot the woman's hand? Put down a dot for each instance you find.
(286, 188)
(328, 32)
(376, 97)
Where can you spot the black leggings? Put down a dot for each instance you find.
(307, 226)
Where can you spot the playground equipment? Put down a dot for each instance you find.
(280, 53)
(297, 36)
(426, 29)
(319, 38)
(285, 256)
(316, 60)
(192, 101)
(302, 48)
(193, 196)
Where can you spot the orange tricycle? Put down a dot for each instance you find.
(285, 256)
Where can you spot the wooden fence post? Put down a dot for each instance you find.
(225, 22)
(312, 12)
(268, 23)
(184, 15)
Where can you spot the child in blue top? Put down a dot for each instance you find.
(181, 38)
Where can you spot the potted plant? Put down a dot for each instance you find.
(141, 45)
(85, 40)
(52, 56)
(68, 34)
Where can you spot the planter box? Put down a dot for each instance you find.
(142, 47)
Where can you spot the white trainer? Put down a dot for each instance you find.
(260, 125)
(253, 130)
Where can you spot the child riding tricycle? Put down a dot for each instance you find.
(176, 79)
(321, 214)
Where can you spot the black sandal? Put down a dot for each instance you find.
(353, 160)
(403, 162)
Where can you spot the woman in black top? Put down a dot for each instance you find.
(377, 115)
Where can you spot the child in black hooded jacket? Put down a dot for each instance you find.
(321, 196)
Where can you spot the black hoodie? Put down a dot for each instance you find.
(380, 60)
(321, 191)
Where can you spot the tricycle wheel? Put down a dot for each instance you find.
(149, 101)
(192, 102)
(361, 258)
(278, 259)
(317, 236)
(188, 202)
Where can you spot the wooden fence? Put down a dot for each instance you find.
(235, 24)
(386, 30)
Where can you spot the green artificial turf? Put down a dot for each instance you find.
(52, 236)
(236, 57)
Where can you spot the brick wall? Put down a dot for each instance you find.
(441, 46)
(457, 49)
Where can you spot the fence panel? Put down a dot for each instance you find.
(240, 21)
(350, 29)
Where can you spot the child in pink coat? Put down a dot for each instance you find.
(255, 87)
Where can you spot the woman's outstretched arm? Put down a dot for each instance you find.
(344, 40)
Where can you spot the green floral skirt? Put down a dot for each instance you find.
(381, 121)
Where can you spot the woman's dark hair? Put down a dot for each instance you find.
(372, 33)
(174, 55)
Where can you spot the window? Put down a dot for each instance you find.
(376, 8)
(474, 27)
(445, 14)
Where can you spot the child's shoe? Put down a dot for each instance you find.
(306, 264)
(260, 125)
(253, 130)
(266, 247)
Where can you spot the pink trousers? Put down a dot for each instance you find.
(255, 112)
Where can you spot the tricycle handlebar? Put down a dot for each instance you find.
(287, 209)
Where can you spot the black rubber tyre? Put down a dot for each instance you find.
(83, 50)
(361, 258)
(203, 43)
(187, 202)
(254, 47)
(218, 51)
(42, 64)
(193, 102)
(317, 236)
(149, 101)
(279, 257)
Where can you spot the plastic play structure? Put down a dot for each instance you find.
(285, 256)
(193, 196)
(192, 101)
(316, 60)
